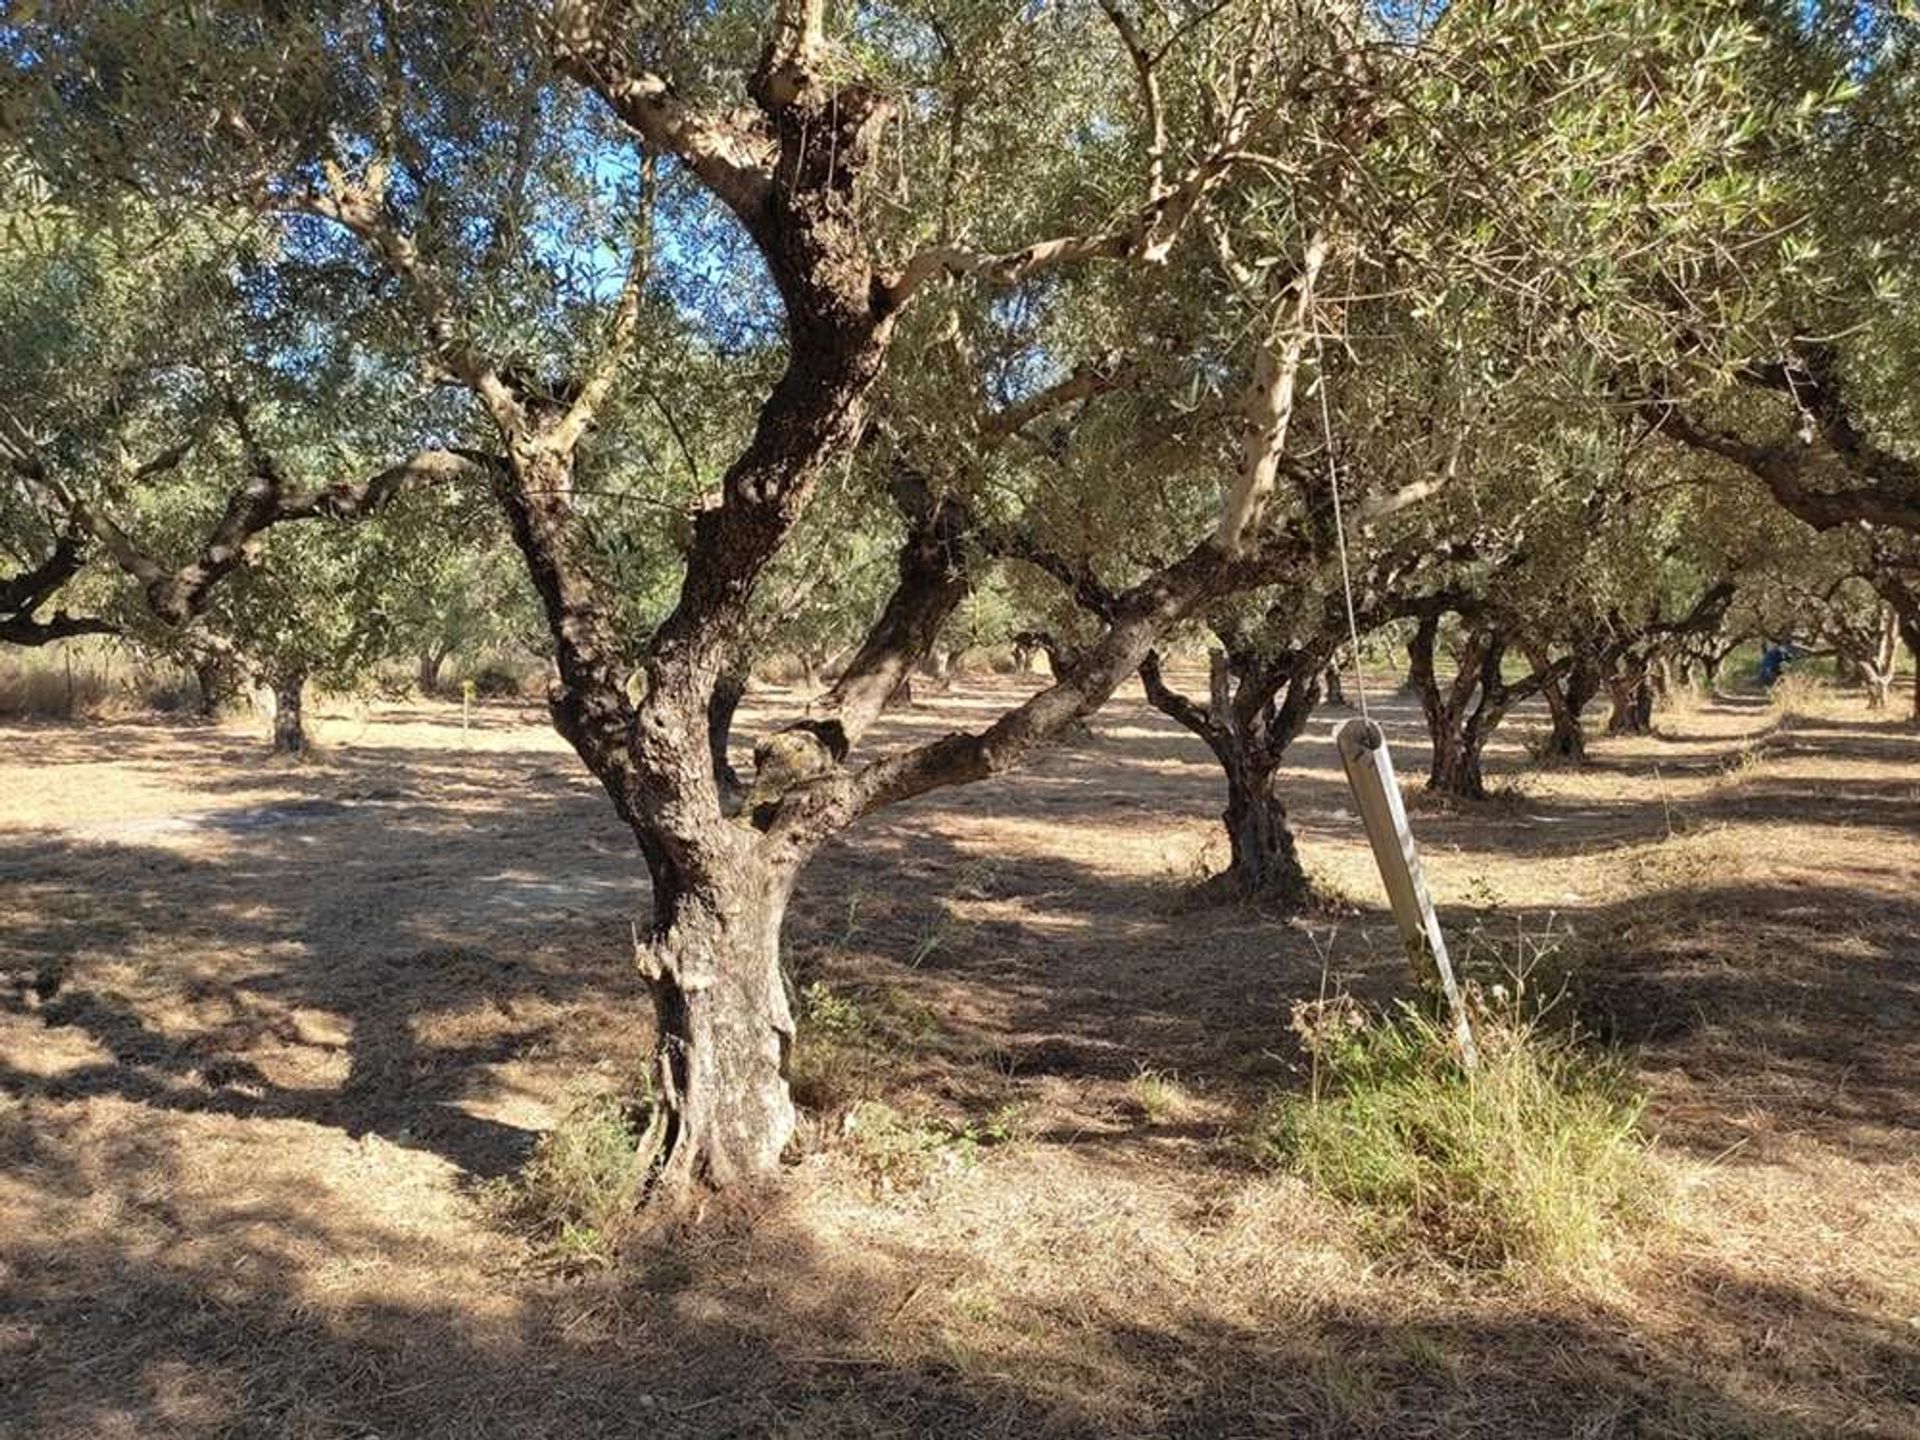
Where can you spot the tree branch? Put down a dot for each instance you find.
(1891, 494)
(733, 156)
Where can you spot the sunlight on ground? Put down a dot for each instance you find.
(269, 1030)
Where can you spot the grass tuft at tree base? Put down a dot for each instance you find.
(580, 1188)
(1533, 1161)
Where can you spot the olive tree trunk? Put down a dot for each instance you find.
(724, 1031)
(1265, 861)
(427, 676)
(1457, 714)
(289, 712)
(1630, 688)
(1567, 698)
(1257, 706)
(214, 678)
(1457, 767)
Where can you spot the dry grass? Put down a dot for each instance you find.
(1800, 694)
(266, 1032)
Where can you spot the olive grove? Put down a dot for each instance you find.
(743, 322)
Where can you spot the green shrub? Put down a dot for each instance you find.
(1534, 1159)
(848, 1044)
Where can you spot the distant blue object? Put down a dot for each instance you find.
(1775, 659)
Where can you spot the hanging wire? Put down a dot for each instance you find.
(1339, 521)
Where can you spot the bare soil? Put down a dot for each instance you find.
(267, 1031)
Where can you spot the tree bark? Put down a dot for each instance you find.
(289, 712)
(725, 1030)
(427, 677)
(1566, 697)
(1632, 697)
(1248, 729)
(1455, 716)
(1457, 764)
(1265, 862)
(215, 681)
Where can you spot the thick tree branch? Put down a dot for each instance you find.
(932, 582)
(733, 156)
(26, 592)
(1890, 494)
(1269, 404)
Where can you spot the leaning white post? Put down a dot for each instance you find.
(1376, 794)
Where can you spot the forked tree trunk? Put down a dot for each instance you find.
(1566, 698)
(1879, 658)
(289, 713)
(1456, 769)
(427, 677)
(1632, 697)
(1660, 681)
(1568, 738)
(1907, 621)
(1461, 716)
(1332, 687)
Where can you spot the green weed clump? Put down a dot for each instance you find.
(902, 1151)
(1533, 1160)
(584, 1180)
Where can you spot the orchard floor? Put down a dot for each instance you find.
(268, 1030)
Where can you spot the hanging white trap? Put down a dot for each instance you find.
(1376, 795)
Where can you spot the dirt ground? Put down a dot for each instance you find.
(267, 1031)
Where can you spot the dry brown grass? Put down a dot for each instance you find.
(266, 1031)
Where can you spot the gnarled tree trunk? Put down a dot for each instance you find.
(427, 675)
(289, 712)
(1566, 696)
(1333, 687)
(1457, 766)
(1248, 727)
(1456, 714)
(1265, 861)
(725, 1031)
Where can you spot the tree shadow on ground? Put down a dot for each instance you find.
(342, 965)
(758, 1328)
(395, 969)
